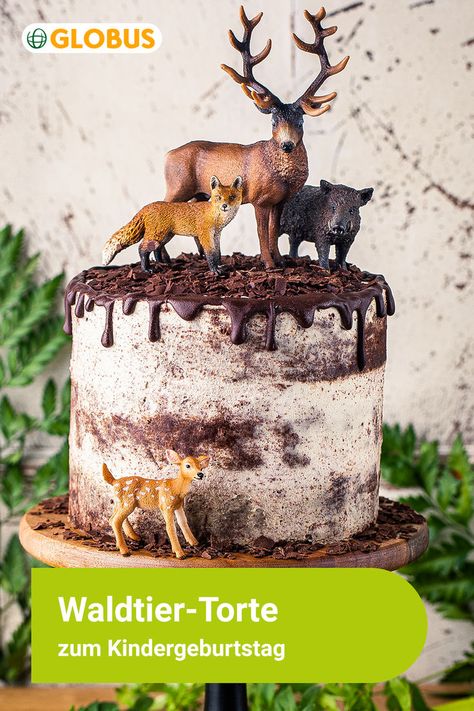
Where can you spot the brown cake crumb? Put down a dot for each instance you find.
(188, 275)
(395, 520)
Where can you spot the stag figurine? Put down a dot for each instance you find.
(272, 170)
(168, 495)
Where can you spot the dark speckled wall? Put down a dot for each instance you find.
(83, 137)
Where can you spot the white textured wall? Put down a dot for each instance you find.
(83, 138)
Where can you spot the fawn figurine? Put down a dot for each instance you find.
(328, 215)
(157, 223)
(272, 170)
(168, 495)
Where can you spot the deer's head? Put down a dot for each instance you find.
(189, 467)
(287, 119)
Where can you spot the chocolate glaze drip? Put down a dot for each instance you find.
(107, 339)
(300, 288)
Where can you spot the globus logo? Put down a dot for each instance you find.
(99, 37)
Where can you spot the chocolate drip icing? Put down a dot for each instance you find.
(79, 310)
(107, 339)
(154, 322)
(300, 289)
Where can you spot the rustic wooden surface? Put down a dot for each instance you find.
(53, 698)
(50, 546)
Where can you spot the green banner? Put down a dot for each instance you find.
(223, 625)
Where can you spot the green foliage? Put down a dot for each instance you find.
(31, 336)
(462, 671)
(172, 697)
(30, 328)
(445, 496)
(400, 694)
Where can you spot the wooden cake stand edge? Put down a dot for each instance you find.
(51, 547)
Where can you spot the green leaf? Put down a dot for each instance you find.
(5, 235)
(14, 663)
(52, 478)
(14, 568)
(33, 357)
(12, 486)
(261, 696)
(59, 423)
(462, 671)
(459, 465)
(398, 454)
(451, 611)
(13, 424)
(428, 465)
(18, 283)
(34, 308)
(418, 702)
(8, 418)
(448, 486)
(442, 559)
(66, 397)
(142, 704)
(398, 694)
(457, 590)
(285, 700)
(11, 251)
(49, 398)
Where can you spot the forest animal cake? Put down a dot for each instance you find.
(268, 368)
(277, 376)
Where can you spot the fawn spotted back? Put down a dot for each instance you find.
(168, 495)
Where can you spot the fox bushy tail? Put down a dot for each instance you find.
(107, 474)
(130, 234)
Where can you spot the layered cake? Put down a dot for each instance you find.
(276, 374)
(269, 370)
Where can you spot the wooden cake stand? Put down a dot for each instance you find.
(48, 537)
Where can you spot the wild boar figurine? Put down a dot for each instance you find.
(328, 215)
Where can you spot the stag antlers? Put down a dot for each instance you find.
(262, 97)
(316, 105)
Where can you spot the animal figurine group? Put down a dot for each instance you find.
(168, 495)
(157, 223)
(271, 175)
(328, 215)
(272, 170)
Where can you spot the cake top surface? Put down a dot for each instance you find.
(189, 277)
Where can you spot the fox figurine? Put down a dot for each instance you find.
(157, 223)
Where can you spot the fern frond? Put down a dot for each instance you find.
(11, 253)
(52, 478)
(443, 560)
(33, 357)
(30, 313)
(456, 590)
(5, 234)
(48, 402)
(17, 285)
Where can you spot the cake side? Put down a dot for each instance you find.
(294, 433)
